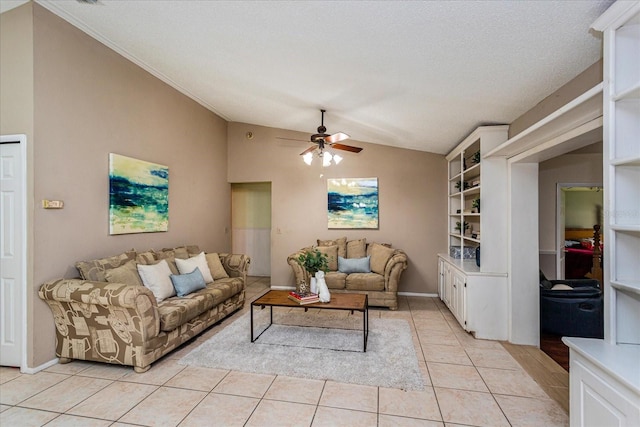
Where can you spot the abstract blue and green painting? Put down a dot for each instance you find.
(138, 196)
(352, 202)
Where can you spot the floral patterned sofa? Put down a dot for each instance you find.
(379, 279)
(108, 315)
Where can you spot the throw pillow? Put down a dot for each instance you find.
(332, 256)
(356, 248)
(184, 284)
(354, 265)
(146, 257)
(341, 243)
(188, 265)
(561, 287)
(94, 270)
(126, 274)
(215, 265)
(380, 255)
(157, 277)
(170, 257)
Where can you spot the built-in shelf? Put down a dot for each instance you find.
(628, 161)
(631, 93)
(629, 286)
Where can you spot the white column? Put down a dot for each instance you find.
(524, 302)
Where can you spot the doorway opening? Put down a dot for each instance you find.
(251, 225)
(579, 209)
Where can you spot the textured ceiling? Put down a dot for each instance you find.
(411, 74)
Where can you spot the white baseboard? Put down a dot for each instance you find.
(404, 294)
(417, 294)
(27, 370)
(283, 288)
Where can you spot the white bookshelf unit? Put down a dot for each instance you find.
(605, 374)
(475, 294)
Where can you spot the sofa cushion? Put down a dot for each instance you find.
(94, 270)
(126, 273)
(380, 255)
(335, 279)
(157, 278)
(354, 265)
(174, 312)
(365, 282)
(341, 243)
(188, 265)
(184, 284)
(332, 256)
(215, 266)
(356, 248)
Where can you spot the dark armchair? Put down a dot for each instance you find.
(574, 312)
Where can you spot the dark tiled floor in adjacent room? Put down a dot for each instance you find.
(469, 382)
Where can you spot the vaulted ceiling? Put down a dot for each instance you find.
(412, 74)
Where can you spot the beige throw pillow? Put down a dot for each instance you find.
(126, 274)
(356, 248)
(215, 266)
(157, 278)
(341, 243)
(94, 270)
(380, 255)
(332, 256)
(186, 266)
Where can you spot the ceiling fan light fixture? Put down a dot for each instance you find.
(326, 159)
(308, 158)
(337, 158)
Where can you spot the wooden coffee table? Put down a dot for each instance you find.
(351, 302)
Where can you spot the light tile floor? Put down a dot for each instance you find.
(470, 382)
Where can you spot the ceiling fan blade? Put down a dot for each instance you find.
(336, 137)
(346, 148)
(309, 150)
(292, 139)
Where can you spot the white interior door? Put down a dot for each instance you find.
(12, 274)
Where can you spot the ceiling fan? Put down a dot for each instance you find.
(323, 140)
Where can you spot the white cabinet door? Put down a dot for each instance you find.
(458, 298)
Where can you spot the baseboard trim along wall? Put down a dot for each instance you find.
(35, 370)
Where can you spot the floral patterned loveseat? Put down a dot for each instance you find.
(109, 316)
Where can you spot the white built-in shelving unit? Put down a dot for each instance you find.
(477, 296)
(605, 374)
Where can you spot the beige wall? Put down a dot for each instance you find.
(89, 102)
(412, 198)
(17, 108)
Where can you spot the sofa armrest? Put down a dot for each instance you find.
(393, 270)
(236, 265)
(78, 306)
(301, 274)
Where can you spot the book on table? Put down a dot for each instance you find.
(304, 298)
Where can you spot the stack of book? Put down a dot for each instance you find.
(305, 298)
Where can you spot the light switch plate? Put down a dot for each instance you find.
(52, 204)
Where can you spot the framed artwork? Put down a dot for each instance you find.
(352, 203)
(138, 196)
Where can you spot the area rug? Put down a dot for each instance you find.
(316, 352)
